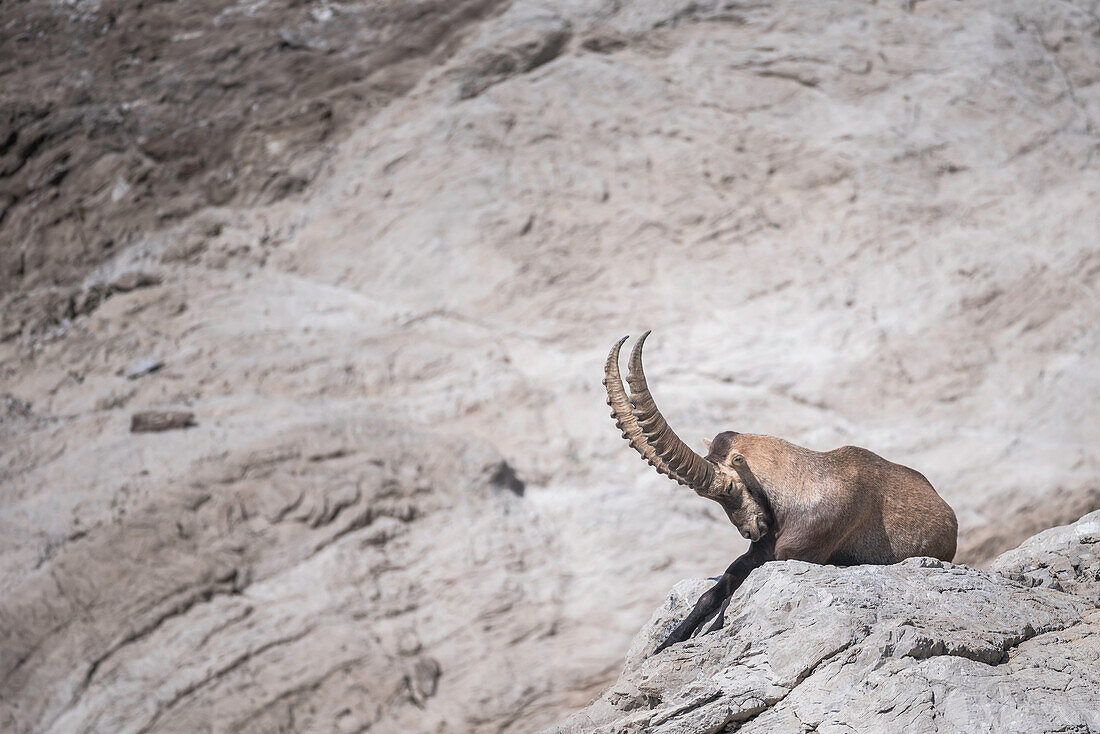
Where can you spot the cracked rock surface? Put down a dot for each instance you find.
(922, 645)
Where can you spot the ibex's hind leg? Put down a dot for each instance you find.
(719, 594)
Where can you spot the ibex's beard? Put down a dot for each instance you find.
(752, 527)
(645, 428)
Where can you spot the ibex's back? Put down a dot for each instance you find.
(845, 506)
(907, 518)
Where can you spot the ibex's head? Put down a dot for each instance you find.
(723, 476)
(741, 496)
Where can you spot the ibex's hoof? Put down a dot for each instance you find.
(718, 624)
(669, 642)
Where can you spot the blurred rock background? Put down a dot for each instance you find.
(379, 251)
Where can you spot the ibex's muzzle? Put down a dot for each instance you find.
(756, 532)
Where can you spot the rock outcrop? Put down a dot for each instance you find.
(919, 646)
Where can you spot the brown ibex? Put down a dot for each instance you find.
(843, 507)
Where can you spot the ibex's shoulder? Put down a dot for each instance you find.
(777, 450)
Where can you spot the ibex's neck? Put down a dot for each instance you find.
(780, 478)
(778, 505)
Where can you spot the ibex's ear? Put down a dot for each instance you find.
(737, 460)
(706, 443)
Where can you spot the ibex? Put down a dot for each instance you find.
(843, 507)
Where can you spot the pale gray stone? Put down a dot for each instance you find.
(919, 646)
(142, 367)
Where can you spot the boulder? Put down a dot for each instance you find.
(919, 646)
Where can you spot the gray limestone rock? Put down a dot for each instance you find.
(919, 646)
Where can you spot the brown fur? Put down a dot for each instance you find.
(846, 506)
(843, 507)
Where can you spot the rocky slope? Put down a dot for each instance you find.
(118, 117)
(400, 502)
(919, 646)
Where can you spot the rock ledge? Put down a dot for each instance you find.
(919, 646)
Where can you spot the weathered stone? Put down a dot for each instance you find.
(529, 38)
(918, 646)
(133, 280)
(142, 367)
(150, 421)
(1065, 558)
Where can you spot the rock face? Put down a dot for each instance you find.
(108, 127)
(919, 646)
(287, 574)
(382, 249)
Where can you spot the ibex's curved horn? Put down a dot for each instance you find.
(670, 449)
(624, 415)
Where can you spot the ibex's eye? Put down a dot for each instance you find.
(737, 459)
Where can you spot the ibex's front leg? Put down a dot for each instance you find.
(717, 595)
(720, 618)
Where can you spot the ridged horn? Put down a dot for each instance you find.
(676, 455)
(623, 414)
